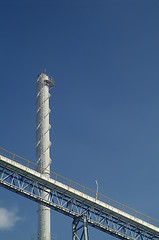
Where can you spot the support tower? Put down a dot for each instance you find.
(43, 148)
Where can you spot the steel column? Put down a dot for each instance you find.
(80, 229)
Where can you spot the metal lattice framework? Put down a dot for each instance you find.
(81, 207)
(77, 226)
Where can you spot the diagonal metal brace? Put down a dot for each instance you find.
(80, 228)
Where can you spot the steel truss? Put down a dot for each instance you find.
(80, 211)
(76, 228)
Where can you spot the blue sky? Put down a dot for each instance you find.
(104, 57)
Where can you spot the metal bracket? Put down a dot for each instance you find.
(49, 83)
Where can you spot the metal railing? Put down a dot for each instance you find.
(80, 188)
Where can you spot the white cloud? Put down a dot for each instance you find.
(8, 218)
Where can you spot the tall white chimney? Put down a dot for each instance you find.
(43, 149)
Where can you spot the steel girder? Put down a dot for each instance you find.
(22, 184)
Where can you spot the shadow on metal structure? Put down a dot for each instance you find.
(80, 228)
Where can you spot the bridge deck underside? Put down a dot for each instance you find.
(29, 183)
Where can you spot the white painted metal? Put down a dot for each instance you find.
(43, 149)
(76, 194)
